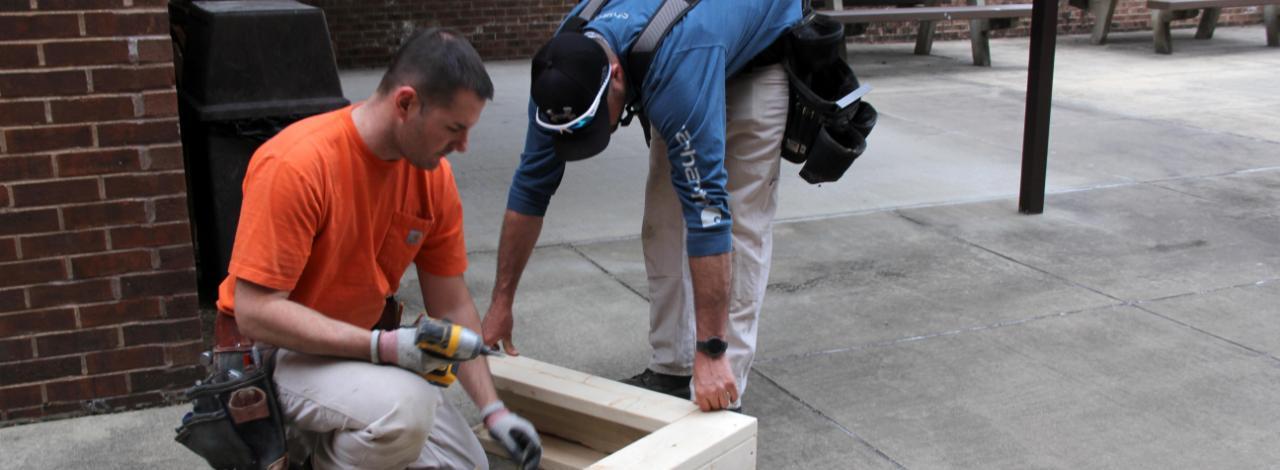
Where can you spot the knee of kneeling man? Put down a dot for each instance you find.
(410, 420)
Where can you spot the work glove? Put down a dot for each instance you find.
(399, 347)
(515, 434)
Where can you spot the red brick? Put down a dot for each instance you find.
(163, 283)
(55, 192)
(110, 264)
(81, 53)
(20, 113)
(164, 379)
(39, 370)
(97, 162)
(177, 257)
(50, 5)
(20, 397)
(19, 56)
(16, 350)
(124, 359)
(132, 79)
(63, 243)
(84, 388)
(41, 26)
(145, 185)
(31, 221)
(165, 158)
(125, 24)
(169, 209)
(42, 321)
(104, 215)
(8, 249)
(75, 342)
(162, 332)
(151, 236)
(90, 109)
(68, 293)
(25, 168)
(138, 133)
(160, 104)
(47, 138)
(155, 50)
(142, 400)
(182, 306)
(120, 312)
(32, 272)
(12, 300)
(183, 354)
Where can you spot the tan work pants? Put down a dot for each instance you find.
(756, 110)
(357, 415)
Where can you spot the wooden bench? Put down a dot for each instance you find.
(1165, 11)
(982, 19)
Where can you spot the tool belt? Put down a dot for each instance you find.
(827, 122)
(235, 421)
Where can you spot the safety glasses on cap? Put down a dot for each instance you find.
(580, 121)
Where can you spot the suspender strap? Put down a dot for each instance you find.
(588, 12)
(641, 54)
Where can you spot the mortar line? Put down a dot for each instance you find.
(608, 273)
(829, 419)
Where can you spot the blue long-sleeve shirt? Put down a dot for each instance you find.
(683, 97)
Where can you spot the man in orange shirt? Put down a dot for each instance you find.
(336, 207)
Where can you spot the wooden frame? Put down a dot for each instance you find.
(589, 422)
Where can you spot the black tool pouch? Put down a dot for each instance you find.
(235, 422)
(827, 122)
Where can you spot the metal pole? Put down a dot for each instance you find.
(1035, 133)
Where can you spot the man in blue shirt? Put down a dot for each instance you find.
(717, 113)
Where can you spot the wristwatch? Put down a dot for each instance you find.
(713, 347)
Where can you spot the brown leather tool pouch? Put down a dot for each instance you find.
(235, 421)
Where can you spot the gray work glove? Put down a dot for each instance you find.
(399, 347)
(515, 434)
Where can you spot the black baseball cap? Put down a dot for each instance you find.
(570, 81)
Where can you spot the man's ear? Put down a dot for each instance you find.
(405, 99)
(616, 80)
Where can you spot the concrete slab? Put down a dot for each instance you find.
(853, 281)
(794, 436)
(1111, 388)
(1243, 315)
(1135, 242)
(121, 441)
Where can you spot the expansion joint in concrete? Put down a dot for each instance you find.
(831, 420)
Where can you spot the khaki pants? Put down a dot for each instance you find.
(357, 415)
(756, 108)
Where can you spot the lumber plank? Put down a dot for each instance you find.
(691, 443)
(598, 397)
(588, 431)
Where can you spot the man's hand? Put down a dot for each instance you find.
(399, 347)
(713, 383)
(497, 327)
(515, 434)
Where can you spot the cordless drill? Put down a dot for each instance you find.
(446, 340)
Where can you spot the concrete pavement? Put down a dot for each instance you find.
(914, 319)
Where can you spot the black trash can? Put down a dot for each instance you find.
(245, 70)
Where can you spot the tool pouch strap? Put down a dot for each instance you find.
(235, 421)
(827, 122)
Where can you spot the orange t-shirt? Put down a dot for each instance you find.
(327, 220)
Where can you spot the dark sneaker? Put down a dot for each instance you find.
(674, 385)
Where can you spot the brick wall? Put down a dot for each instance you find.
(97, 287)
(366, 32)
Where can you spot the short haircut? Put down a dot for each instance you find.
(437, 63)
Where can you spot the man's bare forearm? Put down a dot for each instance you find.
(267, 315)
(711, 286)
(519, 235)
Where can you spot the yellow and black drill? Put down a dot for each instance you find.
(452, 342)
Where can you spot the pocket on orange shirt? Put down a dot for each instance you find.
(401, 244)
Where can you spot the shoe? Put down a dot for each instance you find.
(674, 385)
